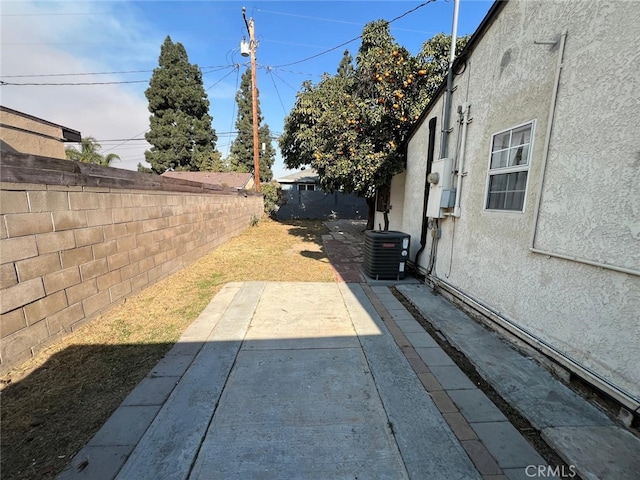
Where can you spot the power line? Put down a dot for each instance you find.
(233, 113)
(333, 20)
(234, 67)
(66, 84)
(73, 74)
(321, 53)
(353, 39)
(308, 17)
(127, 140)
(211, 69)
(283, 81)
(115, 82)
(269, 70)
(49, 14)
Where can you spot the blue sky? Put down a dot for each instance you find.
(40, 39)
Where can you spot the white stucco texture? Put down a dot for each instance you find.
(590, 203)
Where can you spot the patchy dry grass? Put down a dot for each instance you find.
(54, 403)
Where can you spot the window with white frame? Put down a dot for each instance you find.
(509, 168)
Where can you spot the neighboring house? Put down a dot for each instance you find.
(239, 181)
(302, 180)
(540, 229)
(302, 197)
(23, 133)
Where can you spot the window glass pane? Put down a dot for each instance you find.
(498, 183)
(518, 200)
(499, 159)
(511, 182)
(506, 191)
(521, 135)
(519, 155)
(514, 200)
(521, 181)
(508, 201)
(496, 201)
(501, 141)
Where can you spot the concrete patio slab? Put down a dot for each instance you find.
(291, 380)
(542, 399)
(311, 413)
(428, 446)
(598, 452)
(590, 442)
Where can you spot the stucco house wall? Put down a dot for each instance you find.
(396, 205)
(590, 194)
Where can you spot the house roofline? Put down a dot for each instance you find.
(487, 21)
(68, 134)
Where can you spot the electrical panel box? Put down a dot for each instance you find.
(441, 191)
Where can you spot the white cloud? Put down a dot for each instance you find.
(64, 42)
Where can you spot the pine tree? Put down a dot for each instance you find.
(181, 133)
(241, 158)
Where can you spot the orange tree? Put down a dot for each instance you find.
(349, 126)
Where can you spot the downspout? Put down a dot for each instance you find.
(545, 157)
(430, 154)
(465, 122)
(444, 143)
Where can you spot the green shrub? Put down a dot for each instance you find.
(272, 194)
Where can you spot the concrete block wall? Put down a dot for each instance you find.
(68, 253)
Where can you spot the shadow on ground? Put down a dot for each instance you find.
(52, 412)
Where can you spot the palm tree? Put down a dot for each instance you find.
(88, 153)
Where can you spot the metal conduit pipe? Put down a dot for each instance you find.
(623, 397)
(444, 142)
(465, 122)
(545, 157)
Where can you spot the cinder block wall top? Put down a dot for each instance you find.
(68, 253)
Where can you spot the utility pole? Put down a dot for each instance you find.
(254, 93)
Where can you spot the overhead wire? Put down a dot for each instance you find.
(283, 81)
(270, 73)
(233, 67)
(333, 20)
(135, 137)
(73, 74)
(233, 113)
(210, 68)
(68, 84)
(354, 39)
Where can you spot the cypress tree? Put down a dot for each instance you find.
(241, 157)
(181, 133)
(345, 69)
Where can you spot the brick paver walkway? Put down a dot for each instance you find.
(343, 246)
